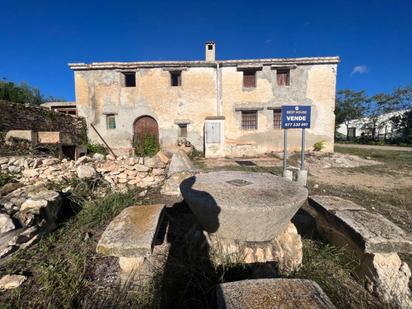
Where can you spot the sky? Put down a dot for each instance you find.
(39, 38)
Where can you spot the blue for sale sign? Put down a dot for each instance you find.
(296, 116)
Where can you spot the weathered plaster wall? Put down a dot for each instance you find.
(100, 92)
(309, 84)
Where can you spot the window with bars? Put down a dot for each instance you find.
(249, 78)
(176, 78)
(283, 77)
(277, 118)
(182, 130)
(110, 122)
(249, 120)
(129, 79)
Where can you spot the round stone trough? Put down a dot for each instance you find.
(242, 205)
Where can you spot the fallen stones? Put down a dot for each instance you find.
(272, 293)
(172, 183)
(387, 277)
(98, 157)
(11, 281)
(180, 163)
(6, 224)
(241, 205)
(85, 171)
(285, 251)
(374, 239)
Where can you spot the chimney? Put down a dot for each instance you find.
(210, 48)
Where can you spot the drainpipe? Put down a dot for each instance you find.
(218, 90)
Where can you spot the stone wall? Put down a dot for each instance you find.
(17, 116)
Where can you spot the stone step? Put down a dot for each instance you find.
(272, 293)
(371, 232)
(133, 232)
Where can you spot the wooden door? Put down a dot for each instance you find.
(143, 126)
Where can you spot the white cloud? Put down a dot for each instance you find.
(267, 41)
(361, 69)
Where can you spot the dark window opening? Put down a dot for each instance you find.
(352, 132)
(249, 120)
(182, 130)
(210, 47)
(129, 79)
(283, 77)
(249, 78)
(176, 78)
(110, 122)
(277, 118)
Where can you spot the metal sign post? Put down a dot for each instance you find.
(295, 117)
(302, 151)
(285, 150)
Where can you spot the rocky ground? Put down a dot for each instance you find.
(31, 205)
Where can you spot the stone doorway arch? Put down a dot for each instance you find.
(143, 126)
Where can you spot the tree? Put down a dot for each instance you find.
(22, 93)
(402, 100)
(350, 105)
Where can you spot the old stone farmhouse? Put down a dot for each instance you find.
(222, 107)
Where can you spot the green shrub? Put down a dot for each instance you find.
(5, 178)
(148, 147)
(319, 146)
(96, 148)
(195, 154)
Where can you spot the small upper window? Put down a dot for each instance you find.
(277, 118)
(210, 47)
(249, 78)
(176, 78)
(249, 120)
(283, 77)
(129, 79)
(182, 130)
(110, 122)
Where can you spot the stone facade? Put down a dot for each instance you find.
(207, 89)
(17, 116)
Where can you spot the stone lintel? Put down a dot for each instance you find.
(182, 121)
(133, 232)
(247, 67)
(175, 69)
(215, 118)
(283, 66)
(248, 108)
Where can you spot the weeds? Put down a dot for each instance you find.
(5, 178)
(331, 267)
(148, 147)
(61, 265)
(96, 148)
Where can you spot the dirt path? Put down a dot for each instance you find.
(375, 147)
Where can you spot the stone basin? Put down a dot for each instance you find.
(241, 205)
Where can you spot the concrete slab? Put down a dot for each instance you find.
(133, 232)
(375, 233)
(272, 293)
(343, 222)
(332, 203)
